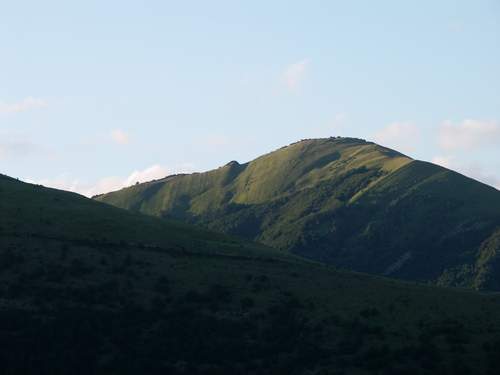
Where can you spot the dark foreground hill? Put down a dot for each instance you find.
(346, 202)
(87, 288)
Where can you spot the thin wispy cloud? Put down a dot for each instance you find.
(456, 27)
(151, 173)
(111, 183)
(16, 146)
(471, 169)
(217, 141)
(446, 161)
(339, 122)
(401, 136)
(18, 149)
(468, 135)
(294, 74)
(336, 125)
(120, 137)
(26, 104)
(456, 139)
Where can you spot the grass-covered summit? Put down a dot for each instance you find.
(87, 288)
(347, 202)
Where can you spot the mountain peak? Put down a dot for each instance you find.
(345, 201)
(232, 163)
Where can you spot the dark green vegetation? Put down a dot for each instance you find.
(345, 202)
(88, 288)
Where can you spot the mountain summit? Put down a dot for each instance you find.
(347, 202)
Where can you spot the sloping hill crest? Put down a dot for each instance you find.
(343, 201)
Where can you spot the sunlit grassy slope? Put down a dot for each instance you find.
(89, 288)
(346, 202)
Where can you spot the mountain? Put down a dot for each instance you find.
(87, 288)
(346, 202)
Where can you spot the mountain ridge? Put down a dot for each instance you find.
(328, 200)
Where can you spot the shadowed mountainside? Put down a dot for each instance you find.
(88, 288)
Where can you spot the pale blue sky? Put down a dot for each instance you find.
(91, 91)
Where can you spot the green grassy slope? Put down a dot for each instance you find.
(344, 201)
(49, 213)
(88, 288)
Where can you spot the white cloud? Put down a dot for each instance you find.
(24, 105)
(64, 182)
(479, 173)
(151, 173)
(111, 183)
(402, 136)
(119, 136)
(472, 169)
(468, 135)
(294, 74)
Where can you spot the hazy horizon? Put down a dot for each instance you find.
(155, 172)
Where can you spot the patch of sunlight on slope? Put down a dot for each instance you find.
(376, 157)
(304, 164)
